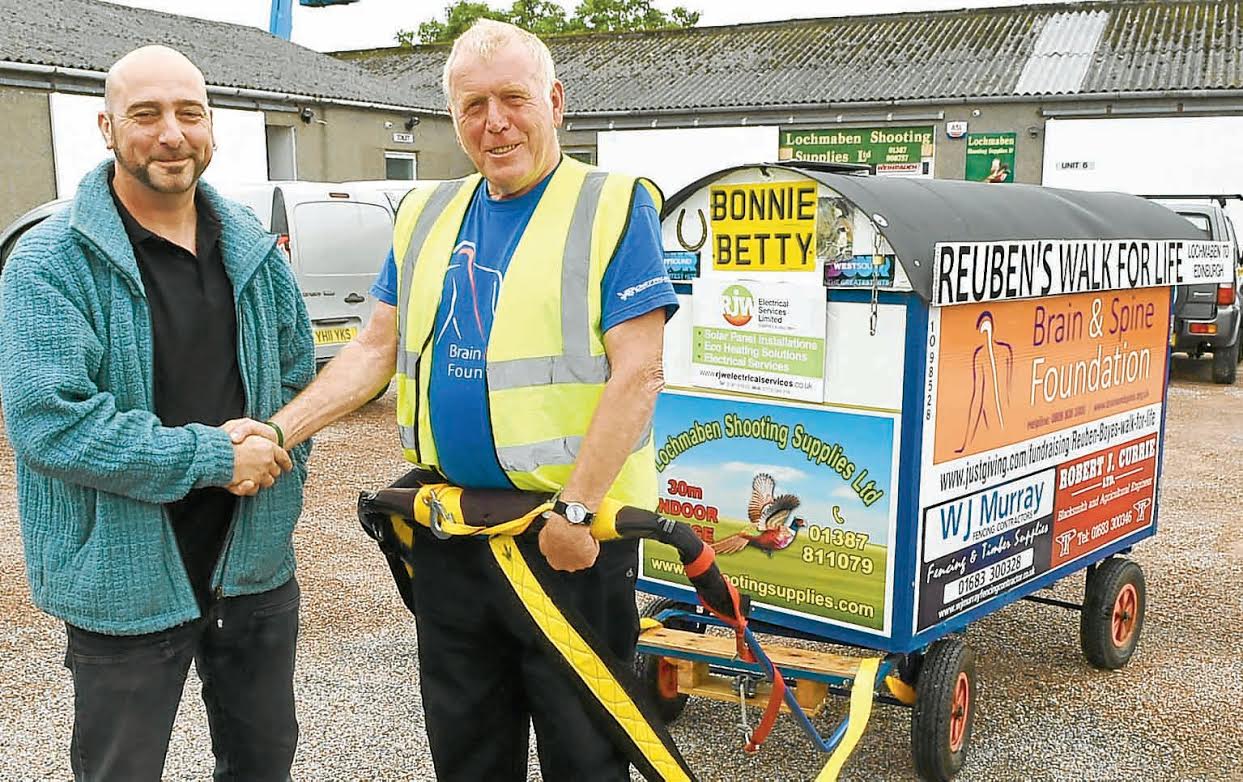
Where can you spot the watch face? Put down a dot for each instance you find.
(575, 513)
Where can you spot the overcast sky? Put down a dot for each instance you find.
(371, 23)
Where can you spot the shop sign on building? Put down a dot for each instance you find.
(894, 151)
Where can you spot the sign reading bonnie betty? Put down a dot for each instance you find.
(765, 227)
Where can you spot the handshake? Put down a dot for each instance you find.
(257, 458)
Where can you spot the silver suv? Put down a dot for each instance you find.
(1207, 317)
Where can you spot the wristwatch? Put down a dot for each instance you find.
(574, 512)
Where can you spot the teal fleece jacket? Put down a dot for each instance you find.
(94, 465)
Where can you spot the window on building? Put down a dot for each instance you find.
(583, 154)
(400, 165)
(282, 156)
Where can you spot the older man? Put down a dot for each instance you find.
(526, 327)
(139, 325)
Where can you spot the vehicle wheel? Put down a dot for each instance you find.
(1226, 363)
(658, 675)
(1114, 598)
(944, 710)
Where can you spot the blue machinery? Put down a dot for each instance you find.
(280, 23)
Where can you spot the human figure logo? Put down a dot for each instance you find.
(992, 375)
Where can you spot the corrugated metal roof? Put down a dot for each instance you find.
(1063, 53)
(91, 35)
(1170, 46)
(1126, 46)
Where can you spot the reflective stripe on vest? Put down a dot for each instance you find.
(561, 386)
(436, 204)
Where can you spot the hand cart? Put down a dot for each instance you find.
(893, 407)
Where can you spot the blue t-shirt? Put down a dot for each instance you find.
(634, 284)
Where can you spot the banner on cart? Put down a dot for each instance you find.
(976, 547)
(798, 503)
(1104, 496)
(974, 272)
(759, 337)
(765, 227)
(1009, 372)
(1041, 441)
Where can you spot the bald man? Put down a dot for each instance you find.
(141, 325)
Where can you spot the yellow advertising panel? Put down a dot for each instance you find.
(768, 227)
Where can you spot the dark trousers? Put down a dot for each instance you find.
(485, 675)
(126, 690)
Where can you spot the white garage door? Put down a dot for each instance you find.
(1149, 156)
(674, 158)
(241, 152)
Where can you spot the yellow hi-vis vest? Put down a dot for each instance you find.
(545, 365)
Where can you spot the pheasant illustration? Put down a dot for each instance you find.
(774, 526)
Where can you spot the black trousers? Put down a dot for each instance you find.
(126, 690)
(486, 676)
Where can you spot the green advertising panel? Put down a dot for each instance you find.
(905, 150)
(990, 157)
(797, 502)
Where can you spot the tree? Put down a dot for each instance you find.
(458, 17)
(547, 17)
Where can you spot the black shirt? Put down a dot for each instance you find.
(194, 366)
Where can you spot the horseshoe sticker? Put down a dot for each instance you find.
(703, 231)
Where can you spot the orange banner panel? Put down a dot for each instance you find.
(1015, 370)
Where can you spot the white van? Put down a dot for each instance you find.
(336, 236)
(392, 189)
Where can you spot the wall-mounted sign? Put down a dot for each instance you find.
(897, 151)
(956, 129)
(990, 157)
(403, 138)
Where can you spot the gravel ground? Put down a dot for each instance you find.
(1043, 714)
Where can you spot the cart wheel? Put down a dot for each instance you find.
(1113, 613)
(658, 675)
(944, 710)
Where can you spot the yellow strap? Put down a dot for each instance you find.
(900, 689)
(860, 711)
(451, 523)
(603, 527)
(593, 672)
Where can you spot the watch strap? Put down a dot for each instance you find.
(560, 507)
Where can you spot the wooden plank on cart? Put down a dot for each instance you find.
(791, 661)
(720, 688)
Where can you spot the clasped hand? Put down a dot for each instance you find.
(567, 547)
(257, 460)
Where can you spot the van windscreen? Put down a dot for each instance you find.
(341, 237)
